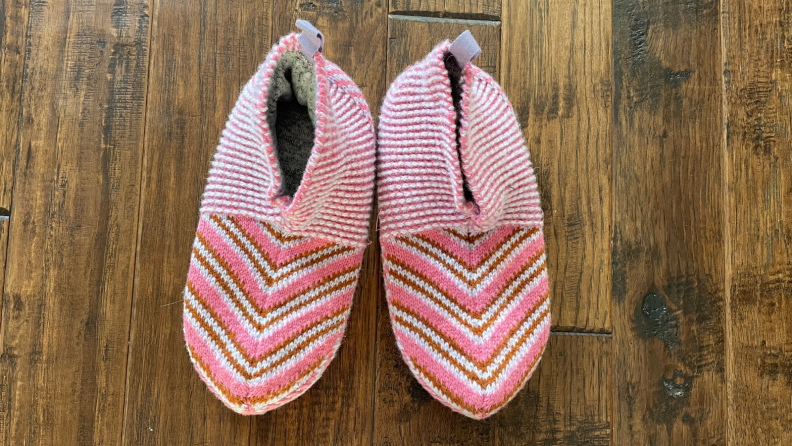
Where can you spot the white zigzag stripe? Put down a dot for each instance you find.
(427, 290)
(296, 269)
(274, 399)
(488, 372)
(274, 227)
(212, 385)
(426, 382)
(289, 393)
(248, 306)
(258, 335)
(243, 314)
(470, 245)
(462, 269)
(268, 360)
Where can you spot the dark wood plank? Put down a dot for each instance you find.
(339, 408)
(757, 42)
(73, 221)
(557, 73)
(13, 35)
(464, 9)
(202, 54)
(668, 240)
(411, 38)
(566, 402)
(404, 412)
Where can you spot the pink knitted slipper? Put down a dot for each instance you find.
(462, 244)
(284, 222)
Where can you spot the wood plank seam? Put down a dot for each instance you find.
(727, 236)
(471, 9)
(431, 19)
(581, 333)
(446, 15)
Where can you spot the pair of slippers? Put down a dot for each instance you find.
(285, 217)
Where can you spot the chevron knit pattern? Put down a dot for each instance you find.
(466, 280)
(271, 277)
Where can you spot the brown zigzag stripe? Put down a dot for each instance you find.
(276, 234)
(221, 344)
(450, 268)
(467, 238)
(437, 287)
(210, 376)
(265, 313)
(437, 384)
(517, 291)
(530, 232)
(259, 399)
(273, 264)
(330, 250)
(261, 312)
(481, 365)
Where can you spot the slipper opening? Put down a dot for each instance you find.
(455, 73)
(291, 116)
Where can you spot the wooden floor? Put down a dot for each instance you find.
(662, 137)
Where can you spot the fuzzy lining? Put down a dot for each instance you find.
(291, 116)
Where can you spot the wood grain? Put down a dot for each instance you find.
(411, 38)
(661, 136)
(463, 9)
(404, 413)
(202, 54)
(541, 414)
(757, 67)
(13, 38)
(74, 214)
(668, 240)
(339, 408)
(566, 402)
(557, 73)
(355, 35)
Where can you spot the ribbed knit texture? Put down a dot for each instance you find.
(271, 277)
(466, 281)
(335, 195)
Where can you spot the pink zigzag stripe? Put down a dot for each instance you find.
(449, 327)
(472, 302)
(420, 187)
(272, 277)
